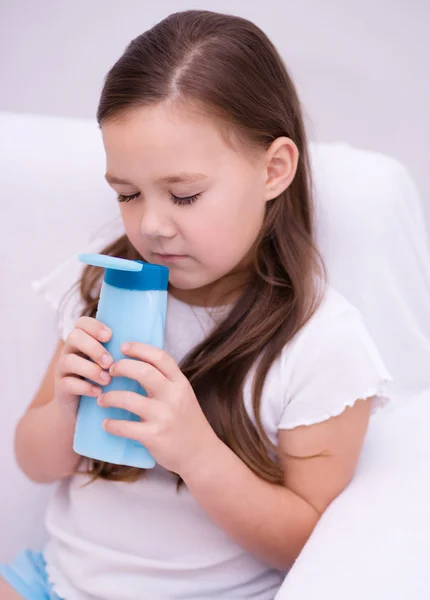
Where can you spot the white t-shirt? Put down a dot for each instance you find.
(128, 541)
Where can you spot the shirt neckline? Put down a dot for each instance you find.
(201, 309)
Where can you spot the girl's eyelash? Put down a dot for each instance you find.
(175, 199)
(123, 198)
(186, 200)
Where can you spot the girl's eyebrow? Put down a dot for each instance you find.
(178, 178)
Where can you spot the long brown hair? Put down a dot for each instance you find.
(226, 66)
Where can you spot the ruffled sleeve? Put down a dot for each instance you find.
(332, 364)
(60, 287)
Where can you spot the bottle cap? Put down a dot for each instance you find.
(129, 274)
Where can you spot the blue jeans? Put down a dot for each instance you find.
(26, 574)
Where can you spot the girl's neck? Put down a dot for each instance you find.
(220, 293)
(199, 299)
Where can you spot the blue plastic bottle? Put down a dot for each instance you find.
(133, 303)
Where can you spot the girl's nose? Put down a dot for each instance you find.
(155, 224)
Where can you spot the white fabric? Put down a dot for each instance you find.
(373, 541)
(372, 235)
(163, 545)
(59, 287)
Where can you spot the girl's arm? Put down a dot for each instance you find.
(44, 436)
(271, 521)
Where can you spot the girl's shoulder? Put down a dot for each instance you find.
(329, 364)
(336, 321)
(333, 313)
(60, 287)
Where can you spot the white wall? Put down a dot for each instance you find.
(362, 68)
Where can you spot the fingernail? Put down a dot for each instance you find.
(105, 359)
(104, 376)
(96, 390)
(104, 334)
(125, 347)
(100, 399)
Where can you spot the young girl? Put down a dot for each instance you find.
(259, 404)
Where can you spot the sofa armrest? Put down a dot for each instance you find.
(373, 541)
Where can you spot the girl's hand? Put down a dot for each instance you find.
(72, 367)
(173, 426)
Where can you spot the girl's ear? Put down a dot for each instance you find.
(281, 164)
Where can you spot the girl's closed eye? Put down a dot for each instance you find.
(186, 199)
(175, 199)
(124, 198)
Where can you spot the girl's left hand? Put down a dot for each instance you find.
(173, 426)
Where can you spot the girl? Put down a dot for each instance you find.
(258, 407)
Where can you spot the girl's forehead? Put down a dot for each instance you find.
(163, 135)
(165, 122)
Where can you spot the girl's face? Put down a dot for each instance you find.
(196, 204)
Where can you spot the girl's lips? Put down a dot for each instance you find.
(170, 257)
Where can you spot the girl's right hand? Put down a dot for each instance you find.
(74, 364)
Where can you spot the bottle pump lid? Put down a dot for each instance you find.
(129, 274)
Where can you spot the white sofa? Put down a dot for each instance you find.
(373, 541)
